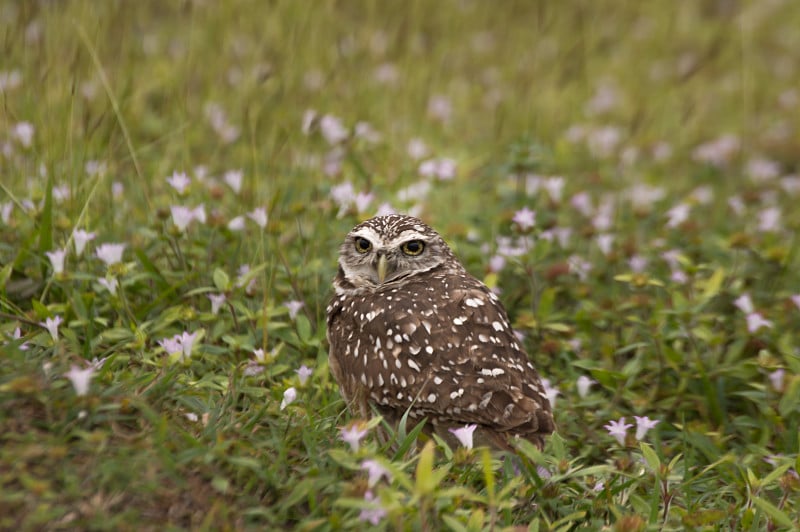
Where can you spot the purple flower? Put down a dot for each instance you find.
(110, 253)
(51, 324)
(644, 424)
(80, 379)
(678, 214)
(289, 396)
(294, 307)
(776, 378)
(550, 391)
(583, 384)
(464, 435)
(374, 514)
(180, 343)
(618, 429)
(525, 218)
(109, 283)
(352, 435)
(756, 321)
(303, 374)
(233, 178)
(744, 303)
(181, 216)
(179, 181)
(375, 471)
(259, 216)
(81, 238)
(17, 335)
(216, 302)
(57, 260)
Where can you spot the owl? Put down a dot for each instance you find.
(410, 330)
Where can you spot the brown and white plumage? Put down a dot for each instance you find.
(410, 329)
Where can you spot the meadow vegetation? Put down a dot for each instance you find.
(175, 180)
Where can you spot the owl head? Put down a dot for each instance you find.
(387, 249)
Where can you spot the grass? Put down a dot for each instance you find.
(647, 269)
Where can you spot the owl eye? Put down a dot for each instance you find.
(413, 247)
(363, 245)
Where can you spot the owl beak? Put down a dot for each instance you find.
(383, 268)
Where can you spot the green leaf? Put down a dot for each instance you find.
(425, 479)
(453, 523)
(774, 513)
(712, 285)
(221, 280)
(650, 457)
(303, 328)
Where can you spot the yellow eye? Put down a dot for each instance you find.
(413, 247)
(363, 245)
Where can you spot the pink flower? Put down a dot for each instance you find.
(23, 132)
(352, 435)
(464, 435)
(181, 217)
(796, 300)
(236, 224)
(80, 379)
(554, 187)
(618, 429)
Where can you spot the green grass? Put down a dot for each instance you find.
(147, 89)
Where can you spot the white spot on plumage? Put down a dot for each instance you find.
(497, 326)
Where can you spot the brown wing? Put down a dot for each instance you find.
(442, 346)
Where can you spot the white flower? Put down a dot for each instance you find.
(756, 321)
(51, 324)
(110, 253)
(551, 392)
(259, 354)
(525, 218)
(109, 284)
(744, 303)
(80, 379)
(81, 238)
(643, 425)
(605, 242)
(375, 471)
(23, 132)
(776, 378)
(678, 214)
(289, 397)
(294, 307)
(583, 384)
(181, 216)
(236, 224)
(554, 187)
(618, 429)
(216, 302)
(57, 260)
(179, 181)
(234, 180)
(333, 130)
(17, 335)
(259, 216)
(416, 149)
(464, 435)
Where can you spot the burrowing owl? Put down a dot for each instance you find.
(410, 330)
